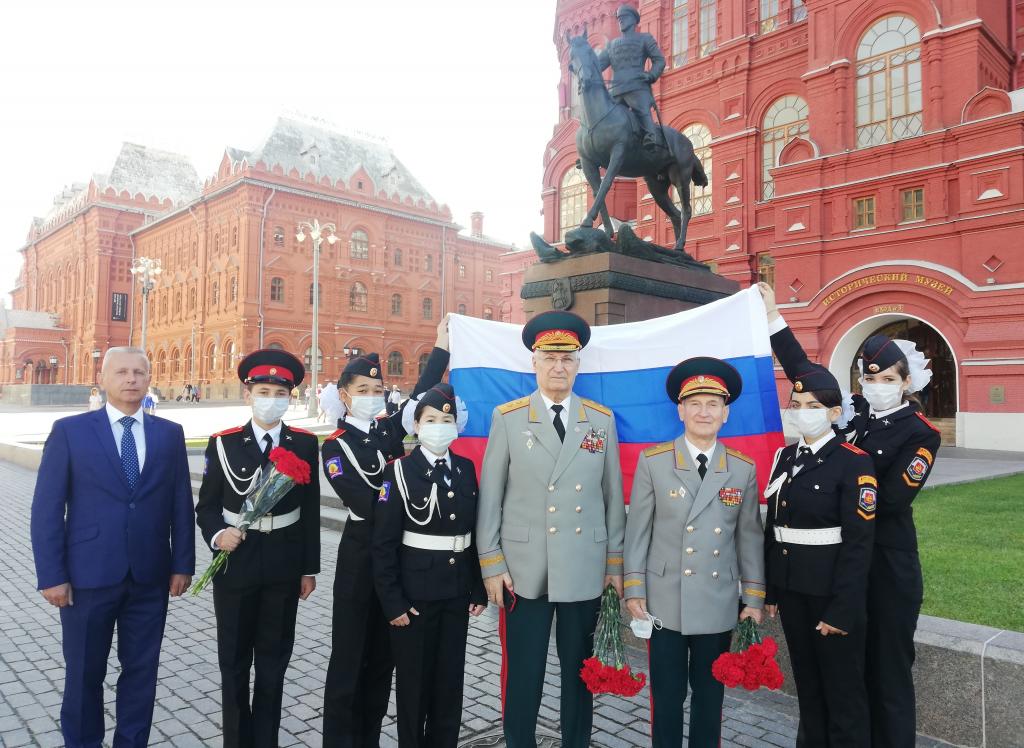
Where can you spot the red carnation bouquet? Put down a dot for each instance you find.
(287, 469)
(750, 662)
(607, 671)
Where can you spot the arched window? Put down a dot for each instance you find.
(572, 200)
(214, 294)
(359, 245)
(175, 363)
(357, 297)
(276, 347)
(488, 312)
(700, 197)
(462, 308)
(229, 356)
(192, 298)
(396, 304)
(277, 289)
(397, 259)
(211, 360)
(319, 295)
(889, 82)
(319, 359)
(161, 364)
(785, 120)
(234, 288)
(422, 363)
(428, 309)
(187, 359)
(766, 269)
(395, 364)
(680, 32)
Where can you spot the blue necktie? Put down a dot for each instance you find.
(129, 454)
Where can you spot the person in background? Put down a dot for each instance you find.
(295, 397)
(149, 402)
(112, 535)
(426, 571)
(273, 564)
(394, 399)
(888, 424)
(95, 399)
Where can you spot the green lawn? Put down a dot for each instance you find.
(971, 540)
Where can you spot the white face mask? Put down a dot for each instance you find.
(365, 407)
(810, 422)
(269, 409)
(437, 436)
(882, 396)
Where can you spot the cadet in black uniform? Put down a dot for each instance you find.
(888, 424)
(818, 538)
(256, 596)
(354, 457)
(427, 573)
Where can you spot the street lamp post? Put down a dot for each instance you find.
(147, 269)
(317, 233)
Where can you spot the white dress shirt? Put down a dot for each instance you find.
(548, 402)
(258, 432)
(694, 451)
(884, 413)
(433, 458)
(814, 446)
(360, 423)
(137, 431)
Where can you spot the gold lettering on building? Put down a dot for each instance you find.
(873, 280)
(888, 308)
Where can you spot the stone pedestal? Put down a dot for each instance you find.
(608, 288)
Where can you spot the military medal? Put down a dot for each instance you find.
(593, 442)
(731, 496)
(529, 439)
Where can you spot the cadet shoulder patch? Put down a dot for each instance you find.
(855, 450)
(867, 480)
(926, 454)
(596, 406)
(738, 455)
(917, 469)
(868, 500)
(225, 432)
(508, 407)
(336, 434)
(385, 492)
(334, 467)
(658, 449)
(927, 423)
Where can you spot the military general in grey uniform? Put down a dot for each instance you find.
(550, 528)
(694, 545)
(627, 56)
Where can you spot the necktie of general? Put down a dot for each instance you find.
(444, 475)
(129, 452)
(557, 422)
(268, 444)
(702, 468)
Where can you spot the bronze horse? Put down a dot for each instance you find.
(609, 137)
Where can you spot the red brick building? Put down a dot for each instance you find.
(235, 278)
(867, 158)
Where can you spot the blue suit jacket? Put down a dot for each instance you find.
(89, 528)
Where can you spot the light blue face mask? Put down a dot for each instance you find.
(269, 409)
(437, 436)
(366, 407)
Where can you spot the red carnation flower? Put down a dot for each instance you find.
(751, 663)
(290, 464)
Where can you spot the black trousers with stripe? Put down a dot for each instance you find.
(525, 629)
(677, 660)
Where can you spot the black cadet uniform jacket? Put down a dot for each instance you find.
(262, 558)
(358, 494)
(835, 487)
(902, 446)
(404, 575)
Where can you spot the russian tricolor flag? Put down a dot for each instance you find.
(624, 367)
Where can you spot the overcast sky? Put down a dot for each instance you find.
(464, 91)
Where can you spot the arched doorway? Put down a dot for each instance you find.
(939, 397)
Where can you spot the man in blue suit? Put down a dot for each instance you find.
(112, 533)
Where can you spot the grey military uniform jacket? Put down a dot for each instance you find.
(692, 546)
(551, 513)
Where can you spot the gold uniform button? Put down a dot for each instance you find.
(553, 530)
(551, 509)
(688, 573)
(579, 487)
(689, 550)
(579, 530)
(451, 516)
(714, 575)
(551, 488)
(451, 494)
(451, 562)
(579, 509)
(689, 528)
(718, 531)
(716, 552)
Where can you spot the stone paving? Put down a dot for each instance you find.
(187, 713)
